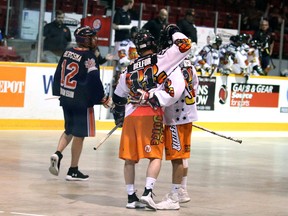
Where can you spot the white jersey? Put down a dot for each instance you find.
(185, 109)
(158, 73)
(127, 52)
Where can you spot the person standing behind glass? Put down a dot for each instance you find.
(122, 25)
(156, 25)
(265, 36)
(57, 36)
(187, 26)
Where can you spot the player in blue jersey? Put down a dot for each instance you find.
(78, 85)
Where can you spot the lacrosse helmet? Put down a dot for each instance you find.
(86, 37)
(144, 41)
(133, 31)
(217, 41)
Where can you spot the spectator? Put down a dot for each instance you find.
(1, 37)
(127, 53)
(33, 53)
(57, 36)
(77, 83)
(229, 22)
(274, 17)
(121, 25)
(154, 26)
(265, 37)
(187, 26)
(250, 16)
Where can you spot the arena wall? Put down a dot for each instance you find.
(225, 103)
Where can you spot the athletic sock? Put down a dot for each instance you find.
(59, 154)
(130, 189)
(150, 182)
(175, 188)
(184, 182)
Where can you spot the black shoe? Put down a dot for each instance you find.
(55, 163)
(75, 175)
(133, 202)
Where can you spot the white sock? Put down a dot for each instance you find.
(150, 182)
(184, 182)
(130, 189)
(175, 188)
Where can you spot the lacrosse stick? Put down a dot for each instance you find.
(52, 98)
(107, 136)
(223, 136)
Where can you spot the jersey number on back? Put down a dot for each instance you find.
(67, 74)
(190, 93)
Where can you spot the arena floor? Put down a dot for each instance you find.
(225, 178)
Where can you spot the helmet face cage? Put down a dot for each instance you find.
(235, 39)
(255, 44)
(86, 37)
(144, 41)
(218, 40)
(133, 32)
(164, 40)
(244, 37)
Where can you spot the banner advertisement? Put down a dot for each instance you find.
(101, 24)
(206, 93)
(12, 87)
(26, 93)
(254, 95)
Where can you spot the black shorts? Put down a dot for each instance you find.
(79, 121)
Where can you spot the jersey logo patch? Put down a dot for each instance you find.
(175, 138)
(183, 44)
(90, 63)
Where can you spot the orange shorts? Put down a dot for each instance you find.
(142, 135)
(177, 141)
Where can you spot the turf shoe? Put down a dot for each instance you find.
(75, 175)
(169, 202)
(55, 164)
(147, 199)
(133, 202)
(183, 196)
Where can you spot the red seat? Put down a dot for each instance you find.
(208, 22)
(151, 8)
(172, 19)
(98, 9)
(184, 4)
(9, 54)
(147, 16)
(172, 3)
(68, 8)
(175, 10)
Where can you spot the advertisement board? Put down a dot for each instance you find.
(26, 93)
(101, 24)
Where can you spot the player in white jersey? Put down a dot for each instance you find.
(254, 57)
(127, 49)
(209, 57)
(178, 120)
(126, 53)
(151, 82)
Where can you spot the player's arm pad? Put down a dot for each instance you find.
(119, 109)
(171, 29)
(120, 101)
